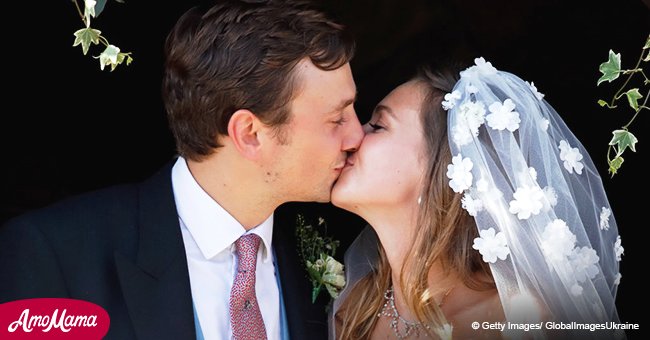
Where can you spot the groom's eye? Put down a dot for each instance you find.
(340, 121)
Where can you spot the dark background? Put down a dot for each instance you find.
(68, 127)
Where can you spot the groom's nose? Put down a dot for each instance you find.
(353, 135)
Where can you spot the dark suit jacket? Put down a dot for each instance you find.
(122, 248)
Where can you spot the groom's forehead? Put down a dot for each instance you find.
(327, 91)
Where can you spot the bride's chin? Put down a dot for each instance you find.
(336, 196)
(345, 193)
(339, 195)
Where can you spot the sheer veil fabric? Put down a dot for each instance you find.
(360, 259)
(545, 224)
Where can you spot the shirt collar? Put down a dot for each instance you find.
(212, 227)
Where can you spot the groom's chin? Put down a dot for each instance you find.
(324, 195)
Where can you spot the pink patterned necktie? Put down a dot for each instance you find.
(245, 316)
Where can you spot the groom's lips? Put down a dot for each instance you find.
(339, 167)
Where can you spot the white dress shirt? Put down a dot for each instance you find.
(209, 233)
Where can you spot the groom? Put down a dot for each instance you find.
(260, 102)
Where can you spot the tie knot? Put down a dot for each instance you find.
(247, 247)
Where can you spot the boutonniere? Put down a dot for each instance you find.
(317, 253)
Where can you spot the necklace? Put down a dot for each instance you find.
(408, 327)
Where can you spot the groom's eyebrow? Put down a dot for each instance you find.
(345, 103)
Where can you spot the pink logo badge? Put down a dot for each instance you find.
(52, 318)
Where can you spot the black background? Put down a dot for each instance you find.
(68, 127)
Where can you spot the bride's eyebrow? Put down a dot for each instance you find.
(380, 109)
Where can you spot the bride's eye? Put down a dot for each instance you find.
(375, 127)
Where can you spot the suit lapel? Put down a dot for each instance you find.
(306, 320)
(156, 284)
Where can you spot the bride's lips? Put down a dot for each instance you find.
(348, 163)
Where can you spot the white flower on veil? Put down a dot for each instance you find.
(460, 173)
(473, 206)
(571, 157)
(471, 115)
(461, 134)
(585, 263)
(527, 201)
(557, 241)
(491, 245)
(605, 213)
(450, 100)
(484, 67)
(481, 67)
(576, 289)
(482, 185)
(551, 198)
(533, 88)
(543, 124)
(618, 248)
(503, 116)
(617, 278)
(533, 173)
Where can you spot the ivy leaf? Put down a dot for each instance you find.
(647, 43)
(128, 59)
(623, 139)
(120, 57)
(615, 164)
(85, 37)
(611, 68)
(109, 57)
(602, 103)
(89, 11)
(99, 7)
(633, 97)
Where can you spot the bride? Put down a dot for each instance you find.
(487, 218)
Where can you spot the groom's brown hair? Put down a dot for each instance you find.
(242, 55)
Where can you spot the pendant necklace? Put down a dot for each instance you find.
(401, 327)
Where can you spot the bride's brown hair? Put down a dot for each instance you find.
(444, 232)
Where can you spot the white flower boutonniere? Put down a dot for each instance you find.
(317, 254)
